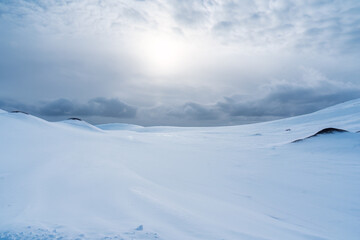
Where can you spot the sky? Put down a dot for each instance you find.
(178, 62)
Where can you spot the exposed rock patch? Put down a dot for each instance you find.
(323, 131)
(17, 111)
(74, 118)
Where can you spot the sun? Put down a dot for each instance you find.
(162, 54)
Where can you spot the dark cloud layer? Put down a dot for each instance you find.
(194, 111)
(285, 103)
(282, 100)
(63, 107)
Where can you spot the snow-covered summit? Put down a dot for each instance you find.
(78, 123)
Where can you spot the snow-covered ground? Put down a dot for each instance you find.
(72, 180)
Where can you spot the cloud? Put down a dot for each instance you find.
(194, 111)
(302, 25)
(63, 108)
(60, 107)
(190, 13)
(263, 23)
(286, 102)
(241, 59)
(12, 105)
(282, 100)
(310, 92)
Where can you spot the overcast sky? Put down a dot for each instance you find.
(178, 62)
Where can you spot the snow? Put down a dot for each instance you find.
(80, 124)
(72, 180)
(119, 126)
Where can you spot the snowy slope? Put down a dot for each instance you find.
(119, 126)
(72, 180)
(80, 124)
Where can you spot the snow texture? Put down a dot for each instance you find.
(72, 180)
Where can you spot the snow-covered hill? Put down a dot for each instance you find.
(72, 180)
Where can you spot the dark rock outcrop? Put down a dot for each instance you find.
(74, 118)
(323, 131)
(17, 111)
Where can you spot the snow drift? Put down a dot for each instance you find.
(72, 180)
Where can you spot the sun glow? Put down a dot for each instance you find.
(163, 54)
